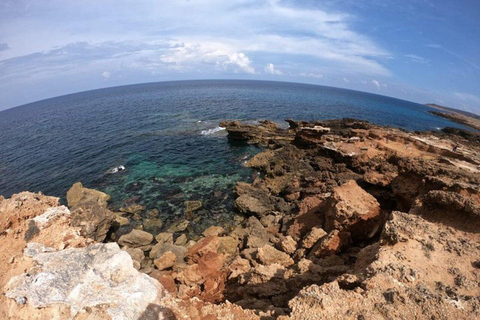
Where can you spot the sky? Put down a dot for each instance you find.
(418, 50)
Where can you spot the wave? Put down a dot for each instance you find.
(211, 131)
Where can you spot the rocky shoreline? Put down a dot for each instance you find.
(344, 220)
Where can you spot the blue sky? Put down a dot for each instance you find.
(423, 51)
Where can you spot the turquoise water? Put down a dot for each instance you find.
(155, 131)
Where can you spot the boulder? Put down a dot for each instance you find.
(247, 204)
(152, 224)
(354, 210)
(93, 220)
(165, 261)
(136, 238)
(268, 255)
(78, 196)
(135, 253)
(84, 278)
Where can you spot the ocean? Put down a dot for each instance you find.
(167, 136)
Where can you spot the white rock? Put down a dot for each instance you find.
(100, 274)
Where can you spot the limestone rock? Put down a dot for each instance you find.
(78, 195)
(238, 266)
(133, 208)
(49, 216)
(136, 238)
(135, 253)
(100, 274)
(269, 255)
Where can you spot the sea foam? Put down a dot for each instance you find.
(211, 131)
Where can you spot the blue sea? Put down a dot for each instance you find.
(166, 135)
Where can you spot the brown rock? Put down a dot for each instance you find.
(78, 195)
(238, 266)
(134, 208)
(269, 255)
(227, 246)
(191, 206)
(152, 224)
(164, 237)
(312, 237)
(160, 248)
(249, 205)
(214, 231)
(136, 238)
(181, 240)
(208, 244)
(354, 210)
(93, 219)
(166, 260)
(166, 279)
(179, 226)
(330, 244)
(135, 253)
(288, 245)
(310, 215)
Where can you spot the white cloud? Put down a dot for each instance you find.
(311, 75)
(106, 74)
(418, 59)
(378, 84)
(270, 68)
(346, 80)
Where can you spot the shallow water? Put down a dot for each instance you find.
(167, 136)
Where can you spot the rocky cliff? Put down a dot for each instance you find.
(344, 220)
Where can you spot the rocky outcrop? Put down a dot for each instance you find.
(90, 212)
(344, 219)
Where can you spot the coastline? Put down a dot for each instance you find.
(342, 212)
(466, 118)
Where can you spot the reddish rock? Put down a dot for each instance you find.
(166, 279)
(214, 231)
(238, 266)
(208, 244)
(331, 244)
